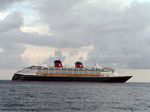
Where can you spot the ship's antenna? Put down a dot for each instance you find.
(37, 61)
(94, 65)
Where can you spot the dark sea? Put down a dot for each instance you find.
(74, 97)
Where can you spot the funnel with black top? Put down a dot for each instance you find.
(78, 64)
(58, 64)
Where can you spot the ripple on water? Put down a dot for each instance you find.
(74, 97)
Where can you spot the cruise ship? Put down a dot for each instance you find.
(79, 73)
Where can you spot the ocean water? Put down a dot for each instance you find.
(74, 97)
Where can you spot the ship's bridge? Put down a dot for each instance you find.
(36, 67)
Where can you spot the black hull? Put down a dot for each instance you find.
(116, 79)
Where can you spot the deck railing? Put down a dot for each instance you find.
(71, 71)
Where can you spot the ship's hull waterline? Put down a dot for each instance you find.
(116, 79)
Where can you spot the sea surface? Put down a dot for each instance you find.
(74, 97)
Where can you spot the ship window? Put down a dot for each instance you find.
(107, 70)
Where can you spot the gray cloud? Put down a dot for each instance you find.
(111, 31)
(11, 54)
(10, 57)
(11, 22)
(76, 23)
(6, 3)
(13, 41)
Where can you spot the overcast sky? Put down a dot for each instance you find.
(103, 32)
